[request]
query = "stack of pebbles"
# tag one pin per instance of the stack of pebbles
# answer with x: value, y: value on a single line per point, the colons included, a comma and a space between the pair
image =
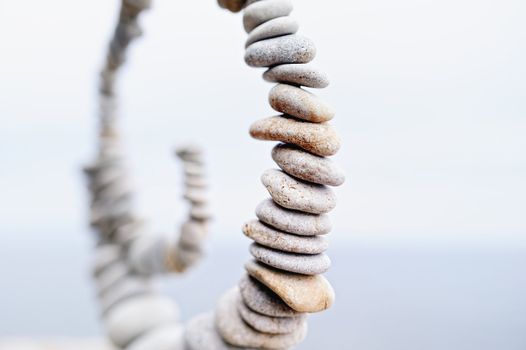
x: 127, y: 259
x: 284, y: 282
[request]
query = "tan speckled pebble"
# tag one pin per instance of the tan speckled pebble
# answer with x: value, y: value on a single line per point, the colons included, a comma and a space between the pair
x: 306, y: 166
x: 262, y: 11
x: 272, y: 238
x: 298, y: 195
x: 302, y: 293
x: 236, y: 332
x: 267, y: 324
x: 261, y: 299
x: 299, y: 103
x: 292, y: 221
x: 320, y: 139
x: 284, y: 49
x: 297, y: 74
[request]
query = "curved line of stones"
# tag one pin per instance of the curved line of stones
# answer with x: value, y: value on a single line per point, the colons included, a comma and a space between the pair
x: 267, y: 310
x: 127, y: 257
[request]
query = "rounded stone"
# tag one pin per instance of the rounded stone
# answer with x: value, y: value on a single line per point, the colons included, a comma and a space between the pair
x: 263, y: 11
x: 297, y: 74
x: 292, y: 221
x: 267, y: 324
x: 301, y: 292
x: 298, y: 195
x: 318, y: 138
x: 261, y: 299
x: 275, y: 27
x: 105, y: 256
x: 111, y: 276
x: 232, y: 5
x: 201, y: 334
x: 297, y: 263
x: 236, y: 332
x: 269, y: 237
x: 169, y: 337
x: 146, y: 254
x: 284, y: 49
x: 196, y: 195
x: 200, y: 212
x: 307, y: 166
x: 135, y: 317
x: 298, y: 103
x: 193, y: 169
x: 193, y: 234
x: 127, y: 288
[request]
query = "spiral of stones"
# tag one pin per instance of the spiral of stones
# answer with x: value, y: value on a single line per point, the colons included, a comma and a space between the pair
x: 284, y: 281
x: 136, y: 315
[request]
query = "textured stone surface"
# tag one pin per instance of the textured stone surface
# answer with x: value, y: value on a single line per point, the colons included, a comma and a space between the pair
x: 272, y: 238
x: 232, y: 5
x: 137, y: 316
x: 263, y: 11
x: 169, y: 337
x: 284, y: 49
x: 201, y: 334
x: 292, y: 221
x: 297, y: 263
x: 298, y: 195
x: 306, y: 166
x: 235, y: 331
x: 273, y: 28
x: 299, y: 103
x: 320, y: 139
x: 267, y: 324
x: 302, y: 293
x: 261, y: 299
x: 297, y: 74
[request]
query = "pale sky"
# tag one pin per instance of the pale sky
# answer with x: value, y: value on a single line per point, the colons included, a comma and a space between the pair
x: 430, y: 98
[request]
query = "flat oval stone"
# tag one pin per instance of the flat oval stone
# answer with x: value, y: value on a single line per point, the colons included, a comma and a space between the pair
x: 297, y: 263
x: 200, y: 212
x: 297, y: 74
x: 269, y: 237
x: 284, y: 49
x: 298, y: 195
x: 196, y: 195
x: 267, y: 324
x: 320, y: 138
x: 127, y: 321
x: 105, y: 255
x: 169, y: 337
x: 110, y: 276
x: 127, y: 288
x: 292, y: 221
x: 193, y: 234
x: 302, y: 293
x: 307, y: 166
x: 262, y: 300
x: 232, y: 5
x: 275, y: 27
x: 201, y: 334
x: 263, y: 11
x: 236, y: 332
x: 299, y: 103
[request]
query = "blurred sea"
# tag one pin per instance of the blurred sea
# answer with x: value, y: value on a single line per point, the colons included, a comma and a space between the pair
x: 389, y: 297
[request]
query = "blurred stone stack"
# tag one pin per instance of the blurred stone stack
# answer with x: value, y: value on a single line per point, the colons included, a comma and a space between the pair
x: 128, y: 258
x: 284, y: 282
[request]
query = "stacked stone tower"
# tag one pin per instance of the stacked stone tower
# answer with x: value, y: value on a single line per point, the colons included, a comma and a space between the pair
x: 284, y: 282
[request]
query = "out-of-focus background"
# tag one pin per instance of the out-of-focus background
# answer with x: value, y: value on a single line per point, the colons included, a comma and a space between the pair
x: 429, y: 246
